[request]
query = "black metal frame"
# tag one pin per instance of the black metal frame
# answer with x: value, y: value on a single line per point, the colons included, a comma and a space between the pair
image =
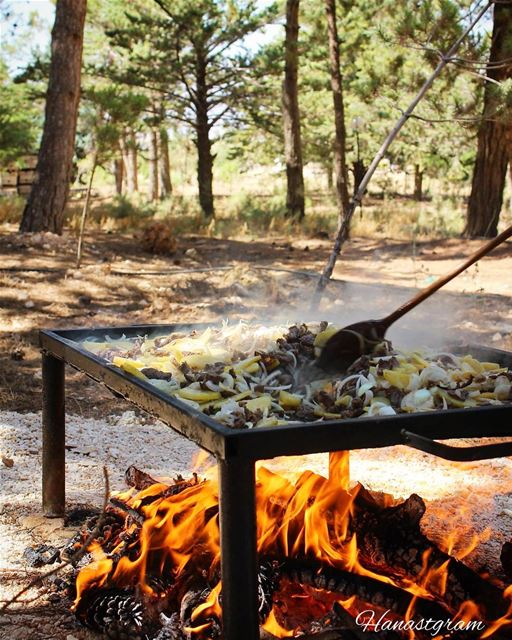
x: 238, y: 450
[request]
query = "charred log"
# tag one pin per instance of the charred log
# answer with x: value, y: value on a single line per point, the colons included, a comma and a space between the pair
x: 268, y: 582
x: 404, y: 552
x: 364, y: 588
x: 171, y: 628
x: 111, y: 528
x: 138, y: 479
x: 134, y: 514
x: 506, y: 558
x: 41, y: 555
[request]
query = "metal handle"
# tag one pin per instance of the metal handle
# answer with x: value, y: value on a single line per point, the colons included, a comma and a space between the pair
x: 457, y: 454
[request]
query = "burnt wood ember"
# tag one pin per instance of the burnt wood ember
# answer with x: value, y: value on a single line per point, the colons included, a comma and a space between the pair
x: 364, y: 588
x: 41, y: 555
x: 390, y: 542
x: 506, y: 558
x: 138, y: 479
x: 111, y: 528
x: 339, y: 624
x: 131, y: 512
x: 268, y: 582
x: 172, y: 628
x: 141, y: 480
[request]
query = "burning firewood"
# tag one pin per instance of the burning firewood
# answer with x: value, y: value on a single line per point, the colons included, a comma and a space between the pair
x: 158, y: 576
x: 410, y: 552
x: 506, y: 559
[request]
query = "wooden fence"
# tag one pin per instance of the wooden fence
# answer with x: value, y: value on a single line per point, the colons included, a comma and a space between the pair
x: 18, y: 179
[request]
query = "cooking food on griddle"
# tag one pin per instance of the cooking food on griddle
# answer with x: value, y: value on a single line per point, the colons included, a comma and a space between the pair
x: 249, y: 376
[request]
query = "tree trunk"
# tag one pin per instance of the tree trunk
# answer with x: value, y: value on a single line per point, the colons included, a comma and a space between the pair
x: 132, y: 154
x: 128, y: 145
x: 418, y: 183
x: 329, y: 176
x: 359, y: 170
x: 203, y: 142
x: 153, y: 166
x: 291, y: 116
x: 44, y: 210
x: 489, y: 173
x: 164, y: 167
x: 119, y: 175
x: 340, y: 163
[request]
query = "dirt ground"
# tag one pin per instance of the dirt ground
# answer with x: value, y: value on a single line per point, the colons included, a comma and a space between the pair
x: 206, y: 279
x: 209, y: 279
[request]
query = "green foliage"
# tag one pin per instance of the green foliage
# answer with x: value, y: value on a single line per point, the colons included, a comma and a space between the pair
x: 160, y: 46
x: 152, y: 63
x: 19, y: 120
x: 11, y: 208
x: 385, y: 59
x: 107, y: 110
x: 122, y: 207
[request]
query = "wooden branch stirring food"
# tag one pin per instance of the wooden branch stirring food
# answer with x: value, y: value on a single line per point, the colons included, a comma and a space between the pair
x: 346, y: 345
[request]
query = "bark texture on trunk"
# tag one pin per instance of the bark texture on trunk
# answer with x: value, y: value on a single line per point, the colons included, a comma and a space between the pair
x: 418, y: 183
x: 291, y: 116
x: 153, y: 166
x: 359, y: 169
x: 128, y: 145
x: 164, y: 166
x: 203, y: 142
x: 44, y: 210
x: 340, y: 163
x: 329, y: 176
x: 490, y: 171
x: 119, y: 175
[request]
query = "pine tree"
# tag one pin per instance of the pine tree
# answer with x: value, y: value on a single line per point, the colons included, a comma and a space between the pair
x: 494, y: 134
x: 44, y: 210
x: 192, y: 55
x: 291, y: 116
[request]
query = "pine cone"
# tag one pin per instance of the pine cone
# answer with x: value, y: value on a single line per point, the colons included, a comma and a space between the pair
x: 116, y: 613
x: 160, y: 584
x: 171, y: 629
x: 268, y: 581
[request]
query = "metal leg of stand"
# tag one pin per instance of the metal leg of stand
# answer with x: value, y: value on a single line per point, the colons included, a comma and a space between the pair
x: 238, y: 550
x: 54, y: 470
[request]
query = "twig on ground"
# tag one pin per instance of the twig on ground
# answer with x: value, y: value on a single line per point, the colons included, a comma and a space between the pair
x: 74, y: 558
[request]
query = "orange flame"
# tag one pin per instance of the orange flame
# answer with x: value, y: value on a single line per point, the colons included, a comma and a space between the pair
x: 308, y: 518
x: 272, y: 626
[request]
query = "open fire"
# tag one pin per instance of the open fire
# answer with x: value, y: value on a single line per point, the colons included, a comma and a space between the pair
x: 332, y: 558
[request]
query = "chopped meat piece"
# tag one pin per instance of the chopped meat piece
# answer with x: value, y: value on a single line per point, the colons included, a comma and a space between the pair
x: 156, y: 374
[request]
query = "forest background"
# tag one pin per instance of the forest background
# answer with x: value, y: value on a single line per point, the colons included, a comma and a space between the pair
x: 183, y: 115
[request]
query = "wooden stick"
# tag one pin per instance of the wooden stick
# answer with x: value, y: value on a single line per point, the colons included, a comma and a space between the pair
x: 85, y: 211
x: 440, y: 282
x: 344, y: 223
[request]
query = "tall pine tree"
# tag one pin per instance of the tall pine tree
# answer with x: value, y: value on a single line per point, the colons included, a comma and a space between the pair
x: 44, y: 210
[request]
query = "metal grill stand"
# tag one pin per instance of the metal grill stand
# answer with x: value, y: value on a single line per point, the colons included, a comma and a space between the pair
x: 236, y: 451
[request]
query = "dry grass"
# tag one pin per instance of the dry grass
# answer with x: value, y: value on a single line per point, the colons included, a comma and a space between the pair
x: 243, y: 212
